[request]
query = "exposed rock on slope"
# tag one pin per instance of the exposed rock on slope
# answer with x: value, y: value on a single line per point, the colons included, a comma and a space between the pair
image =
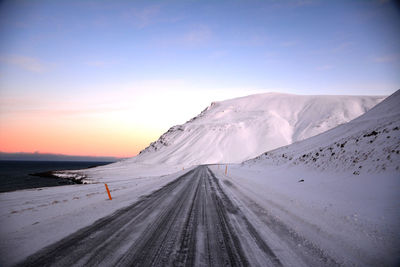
x: 242, y: 128
x: 369, y: 143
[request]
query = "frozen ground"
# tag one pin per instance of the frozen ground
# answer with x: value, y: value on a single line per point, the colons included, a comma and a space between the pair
x: 262, y: 215
x: 34, y: 218
x: 352, y: 218
x: 248, y: 217
x: 308, y: 203
x: 191, y: 221
x: 343, y: 183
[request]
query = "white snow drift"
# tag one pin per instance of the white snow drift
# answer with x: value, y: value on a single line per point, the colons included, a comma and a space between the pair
x: 369, y: 143
x: 235, y: 130
x: 338, y: 191
x: 242, y: 128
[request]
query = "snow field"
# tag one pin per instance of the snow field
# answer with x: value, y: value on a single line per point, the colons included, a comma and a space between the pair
x: 367, y: 144
x: 34, y: 218
x: 353, y: 219
x: 239, y: 129
x: 340, y: 212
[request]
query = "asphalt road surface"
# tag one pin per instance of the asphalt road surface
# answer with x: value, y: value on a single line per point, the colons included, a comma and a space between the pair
x: 191, y: 221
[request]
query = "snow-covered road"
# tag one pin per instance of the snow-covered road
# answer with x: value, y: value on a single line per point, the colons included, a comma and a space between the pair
x: 190, y: 221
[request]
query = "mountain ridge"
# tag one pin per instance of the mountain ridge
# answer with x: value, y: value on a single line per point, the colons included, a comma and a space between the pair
x: 242, y: 128
x: 368, y: 143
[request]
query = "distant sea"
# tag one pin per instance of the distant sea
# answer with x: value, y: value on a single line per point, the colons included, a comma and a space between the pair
x: 14, y: 175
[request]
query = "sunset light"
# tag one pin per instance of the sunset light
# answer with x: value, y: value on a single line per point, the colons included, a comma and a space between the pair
x: 199, y: 133
x: 109, y: 77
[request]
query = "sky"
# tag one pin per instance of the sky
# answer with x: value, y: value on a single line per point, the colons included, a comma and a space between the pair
x: 106, y: 78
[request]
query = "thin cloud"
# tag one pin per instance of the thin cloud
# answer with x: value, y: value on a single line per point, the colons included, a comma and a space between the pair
x: 100, y: 63
x: 324, y: 67
x: 299, y: 3
x: 294, y: 3
x: 251, y: 41
x: 144, y: 17
x: 96, y: 63
x: 218, y: 54
x: 342, y: 46
x: 289, y: 43
x: 27, y: 63
x: 338, y: 48
x: 387, y: 58
x: 51, y: 106
x: 199, y: 35
x: 67, y: 111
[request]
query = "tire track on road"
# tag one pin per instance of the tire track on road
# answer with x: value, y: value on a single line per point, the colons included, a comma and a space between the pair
x: 96, y: 242
x: 189, y: 222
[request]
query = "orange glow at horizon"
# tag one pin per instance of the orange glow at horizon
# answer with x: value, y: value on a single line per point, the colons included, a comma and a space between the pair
x: 111, y: 122
x: 69, y: 136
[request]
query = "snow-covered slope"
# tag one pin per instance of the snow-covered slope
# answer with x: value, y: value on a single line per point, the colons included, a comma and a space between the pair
x: 338, y: 190
x: 369, y: 143
x: 242, y: 128
x: 352, y: 218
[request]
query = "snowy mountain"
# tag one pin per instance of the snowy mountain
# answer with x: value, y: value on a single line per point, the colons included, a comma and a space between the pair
x: 239, y: 129
x: 369, y: 143
x: 301, y: 212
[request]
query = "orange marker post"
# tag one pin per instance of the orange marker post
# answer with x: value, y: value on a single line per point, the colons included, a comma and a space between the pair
x: 108, y: 192
x: 226, y: 169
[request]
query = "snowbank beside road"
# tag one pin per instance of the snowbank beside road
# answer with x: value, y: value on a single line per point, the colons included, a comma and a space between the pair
x: 353, y: 219
x: 34, y: 218
x: 339, y: 189
x: 367, y: 144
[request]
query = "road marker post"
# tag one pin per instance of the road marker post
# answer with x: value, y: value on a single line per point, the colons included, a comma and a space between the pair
x: 108, y: 192
x: 226, y: 169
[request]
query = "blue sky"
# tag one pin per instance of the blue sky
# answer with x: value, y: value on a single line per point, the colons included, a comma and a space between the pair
x: 172, y: 58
